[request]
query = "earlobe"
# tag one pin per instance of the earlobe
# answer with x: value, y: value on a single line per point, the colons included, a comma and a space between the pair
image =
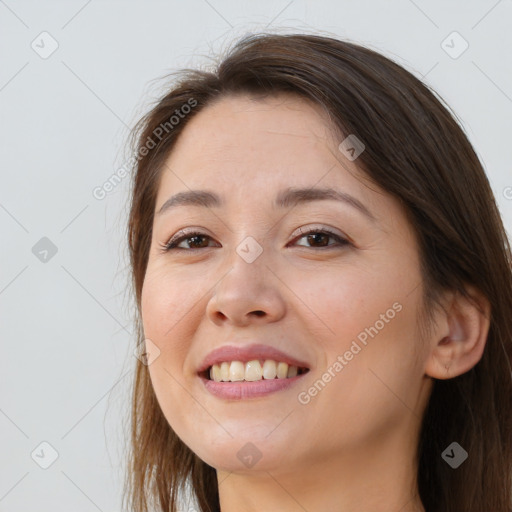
x: 459, y: 341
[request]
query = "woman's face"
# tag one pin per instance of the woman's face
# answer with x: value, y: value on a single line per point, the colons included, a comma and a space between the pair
x: 346, y: 310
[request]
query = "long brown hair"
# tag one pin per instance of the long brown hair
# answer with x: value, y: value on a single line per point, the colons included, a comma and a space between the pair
x: 417, y: 152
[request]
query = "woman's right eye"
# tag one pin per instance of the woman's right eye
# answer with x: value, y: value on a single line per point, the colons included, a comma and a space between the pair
x: 174, y: 243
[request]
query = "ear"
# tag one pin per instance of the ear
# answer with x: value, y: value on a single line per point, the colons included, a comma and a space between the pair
x: 460, y: 336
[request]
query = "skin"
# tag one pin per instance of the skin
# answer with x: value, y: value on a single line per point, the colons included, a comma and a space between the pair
x: 351, y: 447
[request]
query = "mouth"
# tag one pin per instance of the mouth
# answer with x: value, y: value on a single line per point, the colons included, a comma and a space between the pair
x: 235, y: 372
x: 255, y: 379
x: 251, y: 371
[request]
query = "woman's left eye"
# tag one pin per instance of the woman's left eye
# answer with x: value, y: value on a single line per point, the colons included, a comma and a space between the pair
x: 320, y: 236
x: 313, y: 236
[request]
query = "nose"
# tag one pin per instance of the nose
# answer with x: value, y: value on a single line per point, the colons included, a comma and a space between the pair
x: 248, y: 293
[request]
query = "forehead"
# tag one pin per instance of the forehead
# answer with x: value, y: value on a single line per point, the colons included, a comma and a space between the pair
x: 273, y: 121
x: 259, y: 143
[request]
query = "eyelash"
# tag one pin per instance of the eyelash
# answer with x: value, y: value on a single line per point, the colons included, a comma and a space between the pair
x: 172, y: 244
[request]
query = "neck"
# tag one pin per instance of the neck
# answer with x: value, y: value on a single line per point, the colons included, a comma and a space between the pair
x: 377, y: 477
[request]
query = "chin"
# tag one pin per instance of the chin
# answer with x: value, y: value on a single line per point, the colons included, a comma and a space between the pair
x: 242, y: 455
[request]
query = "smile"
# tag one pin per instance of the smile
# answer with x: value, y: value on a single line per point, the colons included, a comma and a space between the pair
x: 235, y: 380
x: 251, y: 371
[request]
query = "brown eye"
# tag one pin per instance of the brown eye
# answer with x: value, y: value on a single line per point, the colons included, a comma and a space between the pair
x: 195, y: 240
x: 320, y: 239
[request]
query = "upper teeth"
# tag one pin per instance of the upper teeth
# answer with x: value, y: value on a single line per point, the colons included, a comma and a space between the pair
x: 251, y: 371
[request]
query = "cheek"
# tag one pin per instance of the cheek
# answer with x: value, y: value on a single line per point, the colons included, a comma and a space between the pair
x: 374, y: 323
x: 166, y: 300
x: 166, y: 309
x: 372, y: 360
x: 342, y: 305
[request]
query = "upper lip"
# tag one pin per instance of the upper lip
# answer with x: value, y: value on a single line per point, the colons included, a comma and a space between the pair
x: 248, y: 353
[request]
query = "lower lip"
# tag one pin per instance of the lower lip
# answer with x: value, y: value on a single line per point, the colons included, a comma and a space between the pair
x: 241, y: 390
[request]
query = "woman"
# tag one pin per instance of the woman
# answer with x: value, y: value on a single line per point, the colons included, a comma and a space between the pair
x: 324, y: 291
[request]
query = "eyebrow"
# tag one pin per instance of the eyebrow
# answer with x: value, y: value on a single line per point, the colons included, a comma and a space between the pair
x: 286, y: 198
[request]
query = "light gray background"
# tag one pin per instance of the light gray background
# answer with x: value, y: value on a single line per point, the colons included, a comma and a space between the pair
x: 66, y: 353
